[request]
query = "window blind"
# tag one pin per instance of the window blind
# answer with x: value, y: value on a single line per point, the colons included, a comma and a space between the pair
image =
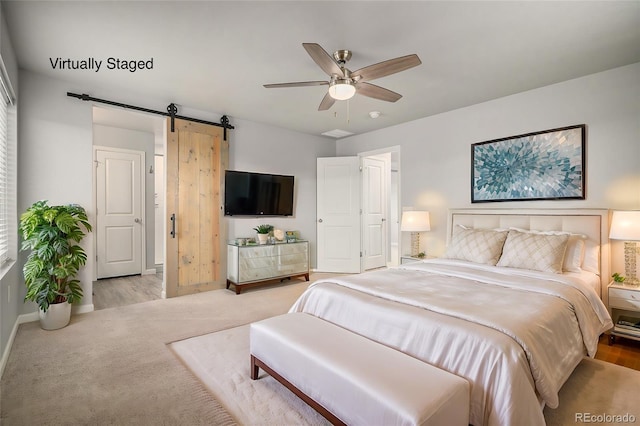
x: 4, y: 173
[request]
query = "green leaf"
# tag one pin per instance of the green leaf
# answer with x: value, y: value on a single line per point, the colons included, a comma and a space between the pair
x: 50, y: 232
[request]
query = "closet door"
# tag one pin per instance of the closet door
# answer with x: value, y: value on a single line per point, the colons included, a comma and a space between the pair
x: 197, y: 156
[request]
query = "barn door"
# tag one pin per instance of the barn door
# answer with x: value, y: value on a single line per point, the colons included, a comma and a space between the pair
x: 196, y: 159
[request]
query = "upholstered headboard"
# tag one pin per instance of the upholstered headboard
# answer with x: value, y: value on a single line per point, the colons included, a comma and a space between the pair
x: 594, y: 223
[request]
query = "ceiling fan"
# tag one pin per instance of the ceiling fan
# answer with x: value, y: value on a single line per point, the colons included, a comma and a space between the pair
x: 344, y: 84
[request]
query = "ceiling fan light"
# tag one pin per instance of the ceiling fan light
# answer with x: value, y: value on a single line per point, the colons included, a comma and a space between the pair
x: 341, y: 90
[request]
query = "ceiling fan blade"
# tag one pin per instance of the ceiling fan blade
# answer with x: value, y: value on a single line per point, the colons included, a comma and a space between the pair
x: 323, y: 59
x: 385, y: 68
x: 327, y: 102
x: 297, y: 84
x: 377, y: 92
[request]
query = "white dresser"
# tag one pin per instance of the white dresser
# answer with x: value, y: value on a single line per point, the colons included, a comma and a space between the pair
x: 255, y: 264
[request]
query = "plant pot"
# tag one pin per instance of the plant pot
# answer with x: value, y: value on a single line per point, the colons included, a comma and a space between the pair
x: 57, y: 316
x: 262, y: 238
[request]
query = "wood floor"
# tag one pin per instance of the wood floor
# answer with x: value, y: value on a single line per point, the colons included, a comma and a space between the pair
x: 625, y: 352
x: 122, y: 291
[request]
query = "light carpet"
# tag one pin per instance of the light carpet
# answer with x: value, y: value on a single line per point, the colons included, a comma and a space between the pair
x: 113, y: 366
x: 221, y: 361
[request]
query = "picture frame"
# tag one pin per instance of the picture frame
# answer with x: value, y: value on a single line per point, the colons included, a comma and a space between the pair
x: 291, y: 236
x: 544, y: 165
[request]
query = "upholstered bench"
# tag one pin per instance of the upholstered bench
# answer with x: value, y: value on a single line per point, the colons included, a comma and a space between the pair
x: 352, y: 380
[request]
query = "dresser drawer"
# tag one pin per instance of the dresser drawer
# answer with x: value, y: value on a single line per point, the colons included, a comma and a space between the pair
x: 293, y: 248
x: 255, y: 252
x: 258, y: 273
x: 630, y: 305
x: 624, y: 294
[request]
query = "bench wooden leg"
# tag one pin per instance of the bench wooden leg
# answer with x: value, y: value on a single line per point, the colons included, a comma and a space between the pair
x: 256, y: 363
x: 254, y: 368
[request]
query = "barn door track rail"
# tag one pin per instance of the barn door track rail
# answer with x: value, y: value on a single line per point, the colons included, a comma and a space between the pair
x: 172, y: 112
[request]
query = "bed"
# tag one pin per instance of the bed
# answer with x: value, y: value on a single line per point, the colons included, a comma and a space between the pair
x: 512, y: 306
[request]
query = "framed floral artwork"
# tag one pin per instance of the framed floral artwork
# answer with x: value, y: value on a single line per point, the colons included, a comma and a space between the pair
x: 546, y: 165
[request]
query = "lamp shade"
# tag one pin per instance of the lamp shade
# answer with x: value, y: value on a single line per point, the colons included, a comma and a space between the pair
x: 625, y: 225
x: 415, y: 221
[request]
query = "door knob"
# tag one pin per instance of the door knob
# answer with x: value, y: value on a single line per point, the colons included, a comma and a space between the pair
x: 320, y: 220
x: 136, y: 220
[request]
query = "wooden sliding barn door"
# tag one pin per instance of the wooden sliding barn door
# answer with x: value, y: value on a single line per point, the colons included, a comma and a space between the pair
x: 196, y: 159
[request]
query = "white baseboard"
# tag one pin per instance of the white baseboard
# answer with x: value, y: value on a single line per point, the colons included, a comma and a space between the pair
x: 33, y: 316
x: 82, y: 309
x: 150, y: 272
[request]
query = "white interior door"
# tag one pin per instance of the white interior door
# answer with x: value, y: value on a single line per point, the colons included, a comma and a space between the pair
x: 119, y: 194
x: 375, y: 172
x: 338, y: 214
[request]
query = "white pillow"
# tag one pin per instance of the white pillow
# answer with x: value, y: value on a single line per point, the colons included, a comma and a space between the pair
x: 476, y: 245
x: 538, y: 252
x: 591, y: 261
x: 574, y: 254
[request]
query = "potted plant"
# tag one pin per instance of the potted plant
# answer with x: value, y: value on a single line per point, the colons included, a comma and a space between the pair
x: 263, y: 232
x: 52, y: 234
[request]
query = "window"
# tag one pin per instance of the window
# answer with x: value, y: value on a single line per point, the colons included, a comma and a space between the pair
x: 4, y: 166
x: 7, y: 189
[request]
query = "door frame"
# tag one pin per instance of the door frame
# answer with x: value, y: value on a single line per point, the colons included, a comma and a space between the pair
x: 143, y: 213
x: 395, y: 152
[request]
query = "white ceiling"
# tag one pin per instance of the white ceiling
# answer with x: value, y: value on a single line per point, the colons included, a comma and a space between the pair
x: 216, y: 55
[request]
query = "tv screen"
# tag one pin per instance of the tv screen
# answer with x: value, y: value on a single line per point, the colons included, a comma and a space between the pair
x: 257, y: 194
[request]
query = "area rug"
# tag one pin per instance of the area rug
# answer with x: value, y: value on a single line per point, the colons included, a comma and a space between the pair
x: 597, y: 392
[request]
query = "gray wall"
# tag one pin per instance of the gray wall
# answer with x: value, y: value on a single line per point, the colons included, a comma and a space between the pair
x: 435, y: 157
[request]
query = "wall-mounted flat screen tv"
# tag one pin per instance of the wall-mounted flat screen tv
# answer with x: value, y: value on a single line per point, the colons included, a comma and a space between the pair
x: 257, y: 194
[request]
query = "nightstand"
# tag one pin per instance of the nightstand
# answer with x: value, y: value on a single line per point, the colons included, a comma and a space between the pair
x: 624, y: 307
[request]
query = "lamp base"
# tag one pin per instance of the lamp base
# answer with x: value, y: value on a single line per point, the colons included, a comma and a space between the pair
x: 631, y: 253
x: 415, y: 244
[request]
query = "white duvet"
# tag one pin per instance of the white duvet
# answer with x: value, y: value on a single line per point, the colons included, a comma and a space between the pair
x: 515, y: 335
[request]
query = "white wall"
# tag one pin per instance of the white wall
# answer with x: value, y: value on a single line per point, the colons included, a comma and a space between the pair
x: 259, y: 148
x: 55, y: 149
x: 140, y: 141
x: 435, y: 152
x: 55, y: 156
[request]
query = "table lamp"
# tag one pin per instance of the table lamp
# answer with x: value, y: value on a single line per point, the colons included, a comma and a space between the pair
x: 625, y: 225
x: 415, y: 221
